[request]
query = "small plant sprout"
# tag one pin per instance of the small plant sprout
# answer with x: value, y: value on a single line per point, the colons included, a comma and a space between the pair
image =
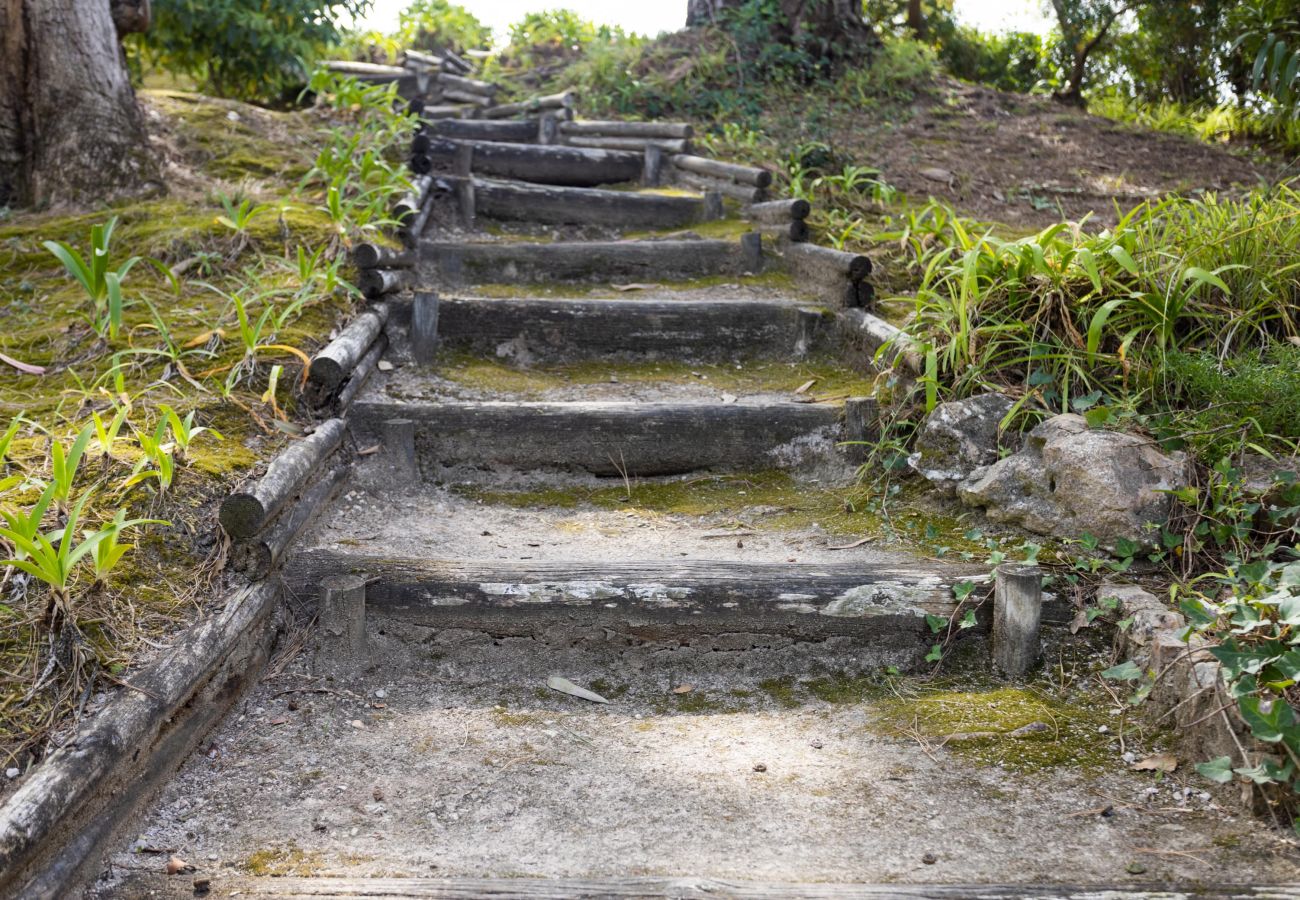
x: 39, y: 556
x: 272, y: 385
x: 238, y: 216
x: 156, y: 460
x: 64, y: 463
x: 103, y: 285
x: 26, y: 525
x: 7, y: 439
x: 184, y: 431
x: 109, y: 551
x: 106, y: 434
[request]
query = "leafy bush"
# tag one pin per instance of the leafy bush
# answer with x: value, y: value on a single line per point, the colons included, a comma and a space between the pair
x: 439, y: 25
x: 1016, y: 61
x: 1255, y: 394
x: 249, y: 49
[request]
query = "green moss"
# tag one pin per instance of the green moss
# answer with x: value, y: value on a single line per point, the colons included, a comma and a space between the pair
x: 781, y: 690
x: 785, y: 503
x: 841, y: 688
x: 980, y: 724
x: 279, y: 862
x: 831, y: 380
x: 717, y: 229
x: 774, y: 280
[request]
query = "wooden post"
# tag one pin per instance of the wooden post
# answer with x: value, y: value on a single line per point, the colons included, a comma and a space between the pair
x: 548, y: 129
x: 399, y: 447
x: 653, y: 166
x: 713, y: 206
x: 861, y: 427
x: 751, y: 250
x: 465, y: 186
x: 811, y: 322
x: 342, y: 622
x: 1017, y: 613
x: 424, y: 327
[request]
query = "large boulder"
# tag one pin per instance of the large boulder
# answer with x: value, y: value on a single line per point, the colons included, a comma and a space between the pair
x: 1071, y: 480
x: 957, y: 438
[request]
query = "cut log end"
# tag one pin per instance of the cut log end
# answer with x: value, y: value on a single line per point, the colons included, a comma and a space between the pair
x: 242, y: 515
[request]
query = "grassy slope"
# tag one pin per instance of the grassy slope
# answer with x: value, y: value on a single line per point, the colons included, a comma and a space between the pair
x: 211, y: 147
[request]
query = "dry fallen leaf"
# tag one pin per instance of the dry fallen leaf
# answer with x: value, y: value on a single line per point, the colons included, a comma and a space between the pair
x: 278, y: 720
x: 176, y: 866
x: 806, y: 386
x: 565, y: 686
x: 1160, y: 762
x: 631, y: 287
x: 28, y: 368
x: 385, y: 366
x: 372, y: 449
x: 858, y: 543
x: 683, y: 689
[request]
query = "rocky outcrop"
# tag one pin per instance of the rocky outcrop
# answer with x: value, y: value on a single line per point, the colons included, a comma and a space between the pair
x: 957, y: 438
x: 1071, y: 480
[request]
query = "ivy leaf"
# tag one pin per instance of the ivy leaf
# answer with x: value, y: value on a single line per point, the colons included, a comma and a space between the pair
x: 936, y: 623
x: 1086, y: 402
x: 1127, y: 671
x: 1291, y: 575
x: 1288, y: 611
x: 968, y: 620
x: 963, y: 590
x: 1268, y: 720
x: 1217, y: 770
x: 1240, y: 662
x: 935, y: 654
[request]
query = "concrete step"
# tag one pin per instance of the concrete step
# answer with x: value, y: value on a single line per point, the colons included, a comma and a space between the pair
x: 522, y: 262
x: 547, y: 329
x: 610, y: 438
x: 517, y: 201
x: 651, y: 600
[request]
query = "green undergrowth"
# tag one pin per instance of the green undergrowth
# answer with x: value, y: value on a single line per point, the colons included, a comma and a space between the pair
x: 830, y: 379
x: 216, y: 295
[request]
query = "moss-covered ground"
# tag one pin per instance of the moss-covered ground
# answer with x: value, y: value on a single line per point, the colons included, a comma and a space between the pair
x: 180, y: 343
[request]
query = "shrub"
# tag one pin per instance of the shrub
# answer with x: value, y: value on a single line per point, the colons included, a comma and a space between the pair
x: 247, y: 49
x: 1255, y: 394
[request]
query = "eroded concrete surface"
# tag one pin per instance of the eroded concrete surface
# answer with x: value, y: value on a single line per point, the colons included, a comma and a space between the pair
x: 449, y: 756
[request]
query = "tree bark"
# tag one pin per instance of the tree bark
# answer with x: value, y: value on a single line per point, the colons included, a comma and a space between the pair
x: 70, y: 129
x: 916, y: 19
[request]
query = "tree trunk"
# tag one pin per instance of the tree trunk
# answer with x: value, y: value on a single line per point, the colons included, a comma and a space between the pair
x: 916, y: 19
x: 70, y: 130
x: 836, y: 26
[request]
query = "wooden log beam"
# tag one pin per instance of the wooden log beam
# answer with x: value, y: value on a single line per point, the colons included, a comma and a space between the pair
x: 715, y: 168
x: 409, y: 204
x: 361, y: 374
x: 447, y: 111
x: 745, y: 193
x: 520, y: 201
x: 514, y: 263
x: 668, y: 145
x: 424, y: 335
x: 458, y: 96
x: 511, y: 131
x: 365, y: 69
x: 888, y: 601
x: 611, y: 438
x: 341, y: 623
x: 374, y: 256
x: 246, y: 512
x: 376, y: 283
x: 873, y: 332
x: 411, y: 230
x: 560, y: 165
x: 464, y: 85
x: 569, y: 329
x: 1017, y: 616
x: 428, y: 61
x: 563, y: 100
x: 842, y: 275
x: 778, y: 212
x: 861, y: 427
x: 258, y: 557
x: 593, y: 128
x: 794, y: 232
x: 332, y: 365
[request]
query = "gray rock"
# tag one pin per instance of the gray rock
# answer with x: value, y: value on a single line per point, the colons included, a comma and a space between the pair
x: 957, y: 438
x: 1071, y: 480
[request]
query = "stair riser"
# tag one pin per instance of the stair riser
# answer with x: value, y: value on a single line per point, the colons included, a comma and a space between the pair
x: 653, y: 602
x: 581, y: 206
x: 636, y: 440
x: 659, y: 329
x: 599, y: 262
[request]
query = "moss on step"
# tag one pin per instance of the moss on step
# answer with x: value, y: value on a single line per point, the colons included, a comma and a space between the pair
x: 830, y: 378
x: 279, y: 862
x: 774, y: 280
x: 1020, y: 728
x: 762, y: 500
x: 725, y: 229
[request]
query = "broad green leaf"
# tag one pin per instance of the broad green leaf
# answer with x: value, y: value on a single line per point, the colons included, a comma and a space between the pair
x: 1126, y: 671
x: 1217, y: 770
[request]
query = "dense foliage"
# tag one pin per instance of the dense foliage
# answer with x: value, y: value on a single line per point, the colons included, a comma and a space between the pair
x: 247, y: 49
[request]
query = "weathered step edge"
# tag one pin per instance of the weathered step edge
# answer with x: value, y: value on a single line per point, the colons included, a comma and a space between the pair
x: 55, y: 826
x: 656, y: 599
x: 689, y: 888
x: 612, y: 438
x: 519, y: 201
x: 521, y: 262
x: 584, y: 328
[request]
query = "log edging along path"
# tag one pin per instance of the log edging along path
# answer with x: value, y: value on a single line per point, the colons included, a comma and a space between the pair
x: 54, y: 827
